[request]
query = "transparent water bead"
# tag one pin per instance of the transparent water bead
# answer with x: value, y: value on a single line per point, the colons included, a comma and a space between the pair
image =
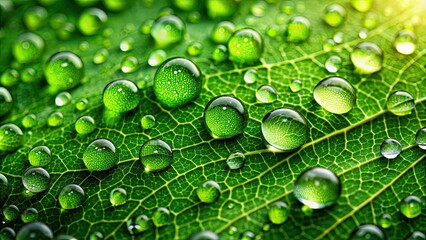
x: 129, y: 64
x: 296, y: 85
x: 245, y: 46
x: 9, y: 78
x: 6, y: 101
x: 71, y: 196
x: 118, y: 197
x: 155, y: 155
x: 236, y: 160
x: 333, y: 64
x: 367, y: 231
x: 367, y: 58
x: 416, y: 235
x: 39, y: 156
x: 55, y: 119
x: 411, y: 206
x: 11, y: 137
x: 162, y: 217
x: 298, y: 29
x: 139, y: 224
x: 194, y: 49
x: 225, y: 117
x: 29, y: 215
x: 317, y: 188
x: 34, y: 230
x: 91, y: 21
x: 64, y: 70
x: 251, y: 76
x: 335, y: 94
x: 11, y: 212
x: 168, y: 30
x: 421, y: 138
x: 35, y: 17
x: 405, y: 42
x: 82, y: 104
x: 101, y: 56
x: 266, y: 94
x: 85, y: 125
x: 62, y: 99
x: 7, y: 233
x: 36, y: 179
x: 385, y: 220
x: 148, y: 122
x: 28, y: 48
x: 127, y: 44
x: 284, y: 129
x: 204, y: 235
x: 220, y: 54
x: 177, y: 82
x: 390, y: 148
x: 222, y: 32
x: 278, y: 212
x: 400, y: 103
x: 157, y: 57
x: 208, y: 192
x: 334, y: 15
x: 121, y: 96
x: 100, y: 155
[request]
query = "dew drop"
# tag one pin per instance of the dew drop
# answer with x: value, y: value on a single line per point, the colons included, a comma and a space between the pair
x: 28, y: 47
x: 85, y: 125
x: 221, y: 9
x: 338, y: 37
x: 9, y: 78
x: 251, y: 76
x: 208, y: 192
x: 362, y: 5
x: 7, y: 233
x: 278, y: 212
x: 118, y: 197
x: 222, y: 32
x: 400, y: 103
x: 82, y: 104
x: 296, y: 85
x: 390, y: 148
x: 168, y: 30
x: 411, y: 206
x: 35, y: 17
x: 101, y: 56
x: 121, y: 96
x: 10, y: 212
x: 162, y: 217
x: 34, y: 230
x: 11, y: 137
x: 36, y: 179
x: 100, y: 155
x: 157, y: 57
x: 127, y: 44
x: 367, y: 58
x: 333, y: 64
x: 194, y: 49
x: 236, y: 160
x: 334, y: 15
x: 148, y: 122
x: 370, y: 21
x: 155, y: 155
x: 385, y: 220
x: 367, y: 231
x: 139, y: 224
x: 71, y: 196
x: 405, y: 42
x: 91, y: 21
x: 55, y: 119
x: 204, y: 235
x: 335, y: 94
x: 64, y: 70
x: 6, y: 101
x: 39, y: 156
x: 298, y: 29
x: 266, y: 94
x: 96, y: 236
x: 29, y: 215
x: 62, y: 99
x: 220, y: 54
x: 421, y: 138
x: 245, y: 46
x: 417, y: 235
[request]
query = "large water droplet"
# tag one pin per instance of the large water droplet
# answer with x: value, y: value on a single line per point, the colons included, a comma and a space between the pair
x: 11, y: 137
x: 405, y: 42
x: 245, y: 46
x: 411, y: 206
x: 400, y: 103
x: 36, y: 179
x: 208, y: 192
x: 155, y: 155
x: 367, y: 58
x: 64, y: 70
x: 28, y: 47
x: 168, y: 30
x: 39, y: 156
x: 35, y: 230
x: 121, y: 96
x: 100, y: 155
x: 85, y: 125
x: 335, y: 94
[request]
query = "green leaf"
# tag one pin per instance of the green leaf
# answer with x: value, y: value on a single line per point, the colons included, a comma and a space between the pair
x: 347, y: 144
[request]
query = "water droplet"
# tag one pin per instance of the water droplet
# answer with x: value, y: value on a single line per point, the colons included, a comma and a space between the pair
x: 57, y: 20
x: 11, y: 212
x: 129, y: 64
x: 71, y: 196
x: 100, y: 155
x: 367, y: 58
x: 405, y: 42
x: 367, y: 231
x: 338, y: 37
x: 208, y: 192
x: 116, y: 5
x: 28, y: 47
x: 225, y: 117
x: 220, y: 53
x: 231, y: 205
x: 85, y: 125
x: 36, y: 179
x: 334, y: 15
x: 148, y: 122
x: 411, y: 206
x: 9, y: 78
x: 4, y: 189
x: 146, y: 26
x: 390, y: 148
x: 278, y: 212
x: 236, y: 160
x: 84, y: 46
x: 6, y: 101
x: 155, y: 155
x: 39, y: 156
x: 222, y: 32
x: 333, y: 64
x: 29, y: 215
x: 232, y: 230
x: 317, y: 188
x: 11, y: 137
x: 335, y: 94
x: 82, y: 104
x: 66, y: 31
x: 363, y: 33
x: 296, y: 85
x: 362, y: 5
x: 273, y: 31
x: 127, y: 44
x: 91, y: 20
x: 417, y: 235
x: 162, y: 217
x: 186, y: 5
x: 204, y: 235
x: 55, y: 119
x: 221, y: 9
x: 284, y: 129
x: 400, y: 103
x: 7, y: 233
x: 259, y: 8
x: 101, y: 56
x: 121, y: 96
x: 298, y: 29
x: 118, y: 197
x: 168, y: 30
x: 247, y: 236
x: 35, y: 17
x: 266, y: 94
x: 64, y: 70
x: 139, y: 224
x: 29, y: 121
x: 251, y: 76
x: 177, y: 81
x: 370, y: 20
x: 157, y: 57
x: 385, y: 220
x: 29, y: 75
x: 245, y: 46
x: 62, y: 99
x: 194, y: 49
x: 287, y: 7
x: 96, y: 236
x: 421, y: 138
x: 34, y: 230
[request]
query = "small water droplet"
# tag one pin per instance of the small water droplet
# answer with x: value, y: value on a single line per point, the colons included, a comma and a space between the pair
x: 236, y: 160
x: 367, y: 58
x: 208, y: 192
x: 71, y: 196
x: 155, y: 155
x: 36, y: 179
x: 118, y: 197
x: 411, y: 206
x: 367, y: 231
x: 333, y: 64
x: 390, y: 148
x: 245, y: 46
x: 266, y: 94
x: 100, y: 155
x: 334, y: 15
x: 400, y: 103
x: 335, y: 94
x: 405, y: 42
x: 298, y: 29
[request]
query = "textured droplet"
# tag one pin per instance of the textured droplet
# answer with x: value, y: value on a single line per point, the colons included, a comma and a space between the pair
x: 296, y: 85
x: 236, y: 160
x: 367, y: 58
x: 421, y: 138
x: 101, y: 56
x: 245, y: 46
x: 251, y: 76
x: 162, y: 217
x: 208, y: 192
x: 400, y: 103
x: 6, y: 101
x: 118, y: 197
x: 64, y: 70
x: 82, y: 104
x: 168, y: 30
x: 225, y: 117
x: 121, y: 96
x: 385, y: 220
x: 157, y: 57
x: 29, y: 215
x: 91, y: 21
x: 333, y: 64
x: 298, y: 29
x: 278, y: 212
x: 36, y: 231
x: 11, y: 137
x: 28, y: 48
x: 62, y: 99
x: 55, y: 119
x: 36, y: 179
x: 367, y: 231
x: 139, y: 224
x: 284, y: 129
x: 11, y: 212
x: 148, y: 122
x: 317, y: 188
x: 334, y: 15
x: 71, y: 196
x: 204, y: 235
x: 194, y: 49
x: 266, y: 94
x: 177, y: 82
x: 222, y: 32
x: 405, y: 42
x: 411, y: 206
x: 390, y: 148
x: 39, y: 156
x: 220, y: 54
x: 155, y: 155
x: 335, y: 94
x: 100, y: 155
x: 85, y: 125
x: 362, y: 5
